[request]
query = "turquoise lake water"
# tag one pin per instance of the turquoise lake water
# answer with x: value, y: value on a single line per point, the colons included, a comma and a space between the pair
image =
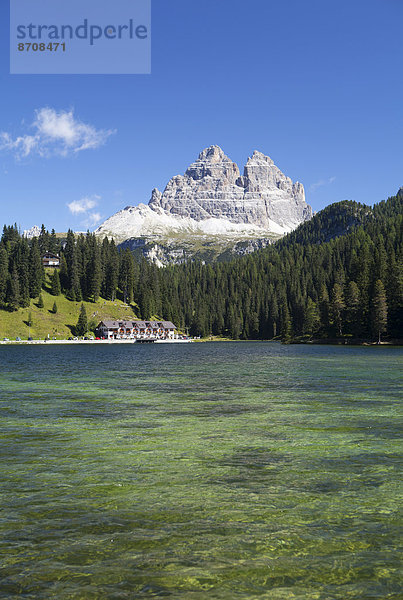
x: 200, y: 471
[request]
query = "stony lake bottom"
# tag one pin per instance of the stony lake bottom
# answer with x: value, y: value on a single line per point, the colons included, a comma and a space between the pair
x: 200, y: 471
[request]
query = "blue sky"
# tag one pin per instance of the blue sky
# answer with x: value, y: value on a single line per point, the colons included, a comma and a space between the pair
x: 316, y: 85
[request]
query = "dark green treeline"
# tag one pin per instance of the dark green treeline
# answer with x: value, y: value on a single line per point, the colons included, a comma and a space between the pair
x: 302, y: 286
x: 88, y: 268
x: 308, y: 284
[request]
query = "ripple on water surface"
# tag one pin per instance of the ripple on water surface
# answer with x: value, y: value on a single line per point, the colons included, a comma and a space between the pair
x: 237, y: 470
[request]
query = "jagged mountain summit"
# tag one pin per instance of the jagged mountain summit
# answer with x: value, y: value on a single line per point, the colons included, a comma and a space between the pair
x: 213, y: 187
x: 31, y: 233
x: 213, y: 200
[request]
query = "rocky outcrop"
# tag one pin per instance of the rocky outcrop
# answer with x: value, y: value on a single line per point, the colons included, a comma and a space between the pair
x: 179, y: 252
x: 213, y: 187
x: 212, y: 203
x: 31, y: 233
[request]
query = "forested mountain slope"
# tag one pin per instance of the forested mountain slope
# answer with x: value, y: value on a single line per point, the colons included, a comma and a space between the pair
x: 350, y: 285
x: 341, y: 287
x: 333, y: 221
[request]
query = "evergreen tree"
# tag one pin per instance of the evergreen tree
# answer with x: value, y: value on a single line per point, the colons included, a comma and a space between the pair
x: 3, y: 274
x: 337, y: 308
x: 126, y: 276
x: 36, y: 273
x: 55, y: 284
x: 63, y: 274
x: 10, y: 236
x: 53, y: 242
x: 394, y: 293
x: 21, y: 257
x: 274, y: 315
x: 324, y: 308
x: 253, y: 325
x: 13, y: 290
x: 73, y: 268
x: 40, y: 303
x: 74, y: 277
x: 379, y: 313
x: 43, y: 240
x: 94, y: 269
x: 352, y: 307
x: 110, y: 258
x: 199, y: 325
x: 286, y: 328
x: 234, y: 323
x: 82, y: 323
x: 363, y: 277
x: 311, y: 318
x: 54, y: 308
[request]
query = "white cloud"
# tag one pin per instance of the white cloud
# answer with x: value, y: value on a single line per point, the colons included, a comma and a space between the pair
x: 84, y: 205
x: 22, y: 146
x: 55, y: 133
x: 84, y: 208
x: 321, y: 183
x: 93, y: 219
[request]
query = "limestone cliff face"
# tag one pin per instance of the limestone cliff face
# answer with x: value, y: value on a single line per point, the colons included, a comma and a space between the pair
x: 213, y: 206
x: 212, y: 187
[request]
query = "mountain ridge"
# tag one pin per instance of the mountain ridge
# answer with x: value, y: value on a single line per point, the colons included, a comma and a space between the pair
x: 213, y: 201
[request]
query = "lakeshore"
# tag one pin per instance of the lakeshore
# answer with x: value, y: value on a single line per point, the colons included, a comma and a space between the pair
x: 93, y: 342
x: 113, y: 341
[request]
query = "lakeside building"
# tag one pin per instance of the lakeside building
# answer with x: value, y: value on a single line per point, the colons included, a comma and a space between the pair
x: 51, y: 260
x: 136, y: 329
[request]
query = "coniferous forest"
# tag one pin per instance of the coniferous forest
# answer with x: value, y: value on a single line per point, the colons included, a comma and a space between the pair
x: 336, y: 276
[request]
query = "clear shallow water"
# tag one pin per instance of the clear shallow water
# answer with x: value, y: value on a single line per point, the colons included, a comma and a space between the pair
x: 203, y: 471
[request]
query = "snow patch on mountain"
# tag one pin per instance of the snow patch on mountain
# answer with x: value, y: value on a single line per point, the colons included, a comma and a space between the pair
x: 142, y: 221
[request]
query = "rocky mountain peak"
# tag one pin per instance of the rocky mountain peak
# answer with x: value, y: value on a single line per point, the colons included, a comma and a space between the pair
x: 213, y: 154
x: 212, y: 162
x: 212, y: 187
x: 33, y: 232
x: 213, y: 198
x: 259, y: 158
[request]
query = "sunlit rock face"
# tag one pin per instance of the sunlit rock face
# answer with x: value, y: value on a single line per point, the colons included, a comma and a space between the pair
x: 212, y: 203
x: 213, y: 187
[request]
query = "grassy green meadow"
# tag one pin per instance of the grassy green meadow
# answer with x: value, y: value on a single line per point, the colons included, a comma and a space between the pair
x: 58, y: 325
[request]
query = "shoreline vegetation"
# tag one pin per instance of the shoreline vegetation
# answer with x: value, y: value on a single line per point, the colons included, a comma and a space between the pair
x: 209, y: 339
x: 345, y: 341
x: 313, y: 342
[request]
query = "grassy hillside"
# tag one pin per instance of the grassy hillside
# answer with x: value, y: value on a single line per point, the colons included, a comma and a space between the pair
x: 58, y: 325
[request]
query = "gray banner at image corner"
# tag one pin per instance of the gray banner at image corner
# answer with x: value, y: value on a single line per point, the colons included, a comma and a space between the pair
x: 80, y: 37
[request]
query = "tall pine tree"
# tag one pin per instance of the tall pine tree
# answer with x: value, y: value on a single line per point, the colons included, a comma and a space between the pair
x: 36, y: 272
x: 379, y: 312
x: 55, y: 283
x: 82, y: 323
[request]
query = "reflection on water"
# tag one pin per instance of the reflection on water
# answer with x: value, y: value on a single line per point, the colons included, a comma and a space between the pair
x: 236, y: 470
